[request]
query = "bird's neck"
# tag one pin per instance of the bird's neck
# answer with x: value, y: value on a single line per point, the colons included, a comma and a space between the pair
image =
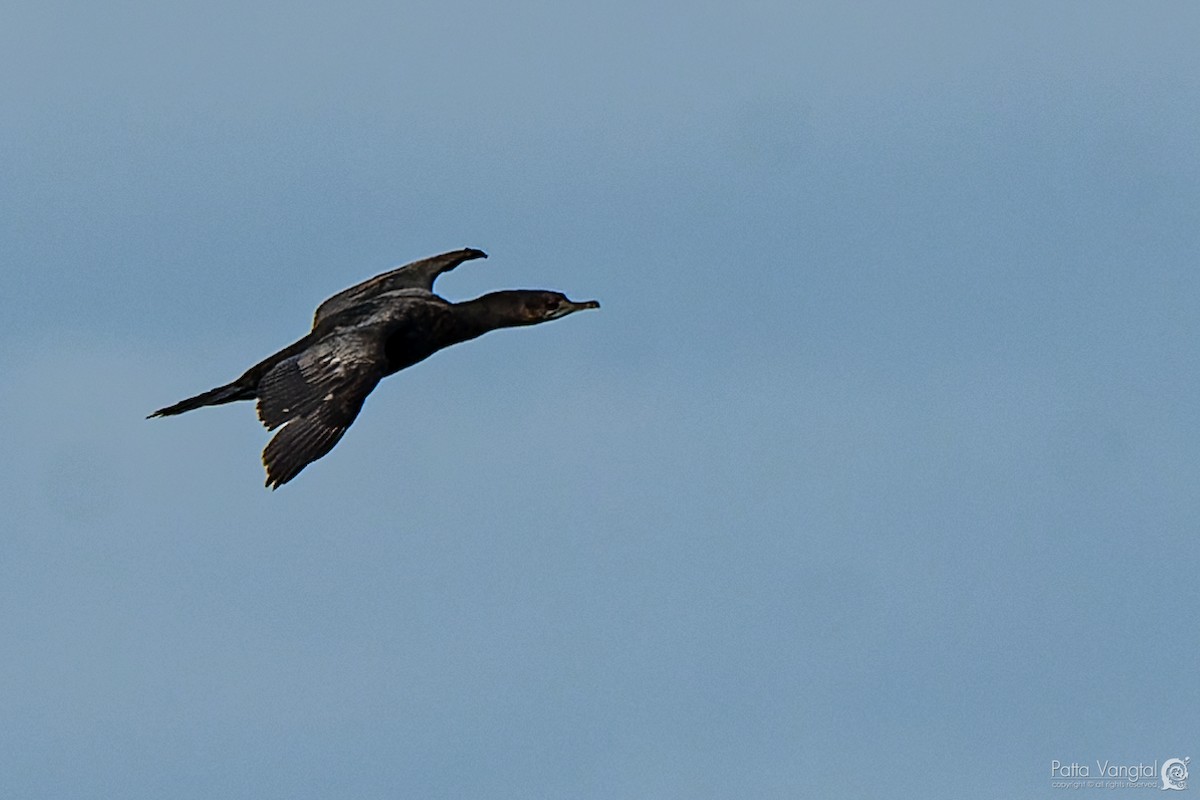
x: 488, y: 313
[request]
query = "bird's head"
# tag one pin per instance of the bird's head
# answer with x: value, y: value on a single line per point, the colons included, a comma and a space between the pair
x: 529, y: 307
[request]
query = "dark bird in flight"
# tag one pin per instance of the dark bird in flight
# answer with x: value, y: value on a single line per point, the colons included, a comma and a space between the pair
x: 313, y: 389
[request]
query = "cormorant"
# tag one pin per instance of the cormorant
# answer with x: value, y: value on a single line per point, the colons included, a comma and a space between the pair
x: 313, y: 389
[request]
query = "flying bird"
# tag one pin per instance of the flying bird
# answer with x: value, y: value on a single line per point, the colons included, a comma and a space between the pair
x: 311, y: 390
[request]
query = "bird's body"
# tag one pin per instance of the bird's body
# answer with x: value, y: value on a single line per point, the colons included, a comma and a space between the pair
x: 314, y: 388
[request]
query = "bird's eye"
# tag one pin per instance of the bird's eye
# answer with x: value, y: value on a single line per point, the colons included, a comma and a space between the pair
x: 551, y: 304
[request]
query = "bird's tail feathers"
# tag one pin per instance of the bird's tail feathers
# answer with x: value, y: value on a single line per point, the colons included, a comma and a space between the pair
x: 213, y: 397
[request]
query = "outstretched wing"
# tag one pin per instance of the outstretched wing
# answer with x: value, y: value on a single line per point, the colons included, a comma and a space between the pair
x: 417, y: 275
x: 313, y: 397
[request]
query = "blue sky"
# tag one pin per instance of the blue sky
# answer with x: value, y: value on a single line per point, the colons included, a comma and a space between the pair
x: 875, y: 475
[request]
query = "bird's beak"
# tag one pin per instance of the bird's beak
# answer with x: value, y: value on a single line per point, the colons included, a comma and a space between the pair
x: 570, y: 307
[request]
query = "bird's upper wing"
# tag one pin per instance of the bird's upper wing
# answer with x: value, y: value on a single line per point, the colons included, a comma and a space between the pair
x: 417, y: 275
x: 313, y: 397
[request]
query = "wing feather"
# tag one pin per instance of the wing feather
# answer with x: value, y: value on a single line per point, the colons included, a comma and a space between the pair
x: 298, y: 444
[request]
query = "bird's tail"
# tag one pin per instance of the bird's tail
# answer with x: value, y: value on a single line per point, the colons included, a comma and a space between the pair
x: 213, y: 397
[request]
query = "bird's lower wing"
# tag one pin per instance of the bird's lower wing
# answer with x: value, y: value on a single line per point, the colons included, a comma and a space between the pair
x: 313, y: 397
